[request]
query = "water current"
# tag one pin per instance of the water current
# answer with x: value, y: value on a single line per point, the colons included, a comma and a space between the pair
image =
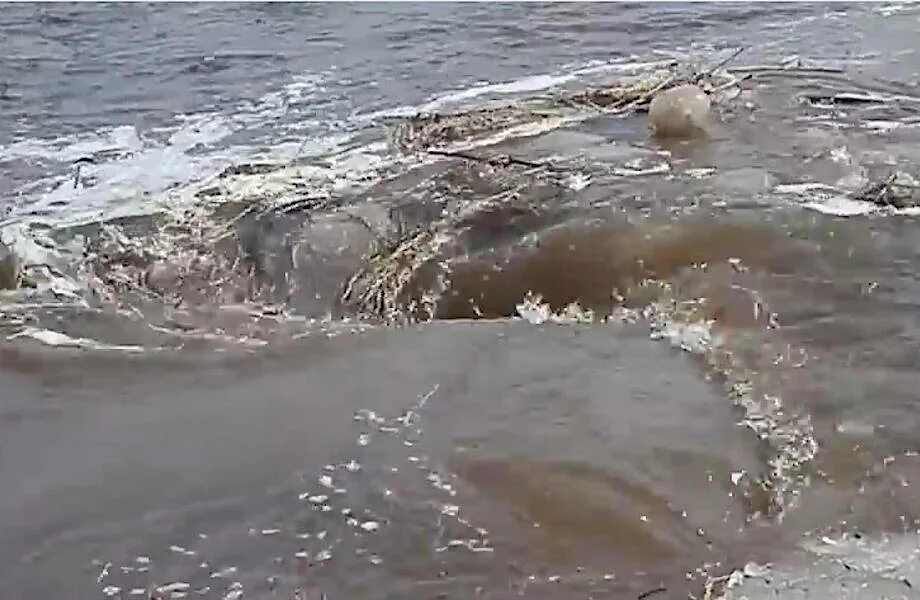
x: 266, y: 332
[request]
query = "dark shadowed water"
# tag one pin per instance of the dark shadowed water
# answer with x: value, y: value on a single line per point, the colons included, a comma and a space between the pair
x: 651, y: 364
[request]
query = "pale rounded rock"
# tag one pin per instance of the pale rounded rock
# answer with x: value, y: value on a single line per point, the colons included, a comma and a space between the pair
x: 680, y: 112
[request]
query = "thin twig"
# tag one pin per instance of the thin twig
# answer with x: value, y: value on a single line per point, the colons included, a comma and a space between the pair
x: 847, y: 98
x: 762, y: 69
x: 884, y: 188
x: 499, y: 161
x: 721, y: 64
x: 644, y: 98
x: 651, y: 592
x: 732, y: 83
x: 860, y: 98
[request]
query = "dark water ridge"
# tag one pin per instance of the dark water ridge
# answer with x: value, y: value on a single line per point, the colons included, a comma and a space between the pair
x: 639, y: 370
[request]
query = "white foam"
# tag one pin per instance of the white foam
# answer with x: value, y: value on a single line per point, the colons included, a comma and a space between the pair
x: 883, y: 126
x: 142, y: 166
x: 533, y: 310
x: 894, y: 8
x: 577, y: 181
x: 529, y: 84
x: 802, y: 189
x: 534, y: 83
x: 121, y: 188
x: 200, y: 130
x: 56, y: 338
x: 827, y: 200
x: 69, y: 149
x: 842, y: 207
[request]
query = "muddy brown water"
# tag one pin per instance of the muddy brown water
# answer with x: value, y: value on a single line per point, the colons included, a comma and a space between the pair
x: 599, y: 390
x: 229, y: 448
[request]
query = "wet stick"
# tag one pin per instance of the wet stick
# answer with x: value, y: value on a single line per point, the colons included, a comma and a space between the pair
x: 499, y: 161
x: 719, y: 65
x: 651, y: 592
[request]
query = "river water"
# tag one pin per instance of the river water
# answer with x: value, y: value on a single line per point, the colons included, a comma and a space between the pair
x: 644, y: 367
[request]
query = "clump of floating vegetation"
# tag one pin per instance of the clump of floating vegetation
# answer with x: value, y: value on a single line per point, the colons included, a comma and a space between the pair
x: 631, y: 92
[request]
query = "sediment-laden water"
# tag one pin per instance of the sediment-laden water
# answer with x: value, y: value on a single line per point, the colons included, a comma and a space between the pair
x: 386, y: 301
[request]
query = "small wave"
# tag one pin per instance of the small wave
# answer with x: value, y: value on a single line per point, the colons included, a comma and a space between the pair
x: 584, y: 275
x: 790, y: 436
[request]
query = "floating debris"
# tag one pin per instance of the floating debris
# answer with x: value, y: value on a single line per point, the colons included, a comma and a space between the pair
x: 578, y: 181
x: 899, y: 190
x: 370, y: 526
x: 233, y: 595
x: 178, y: 586
x: 855, y: 428
x: 323, y: 555
x: 226, y: 572
x: 498, y: 120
